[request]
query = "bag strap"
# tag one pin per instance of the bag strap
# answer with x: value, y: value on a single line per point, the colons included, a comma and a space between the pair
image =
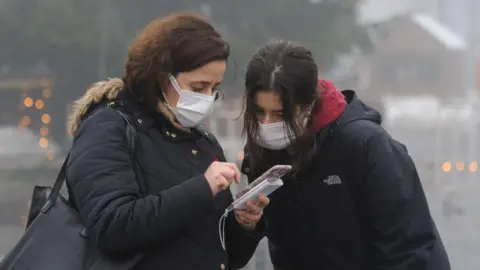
x: 131, y: 135
x: 52, y: 197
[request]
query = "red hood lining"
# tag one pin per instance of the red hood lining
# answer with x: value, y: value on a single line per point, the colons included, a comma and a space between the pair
x: 332, y: 104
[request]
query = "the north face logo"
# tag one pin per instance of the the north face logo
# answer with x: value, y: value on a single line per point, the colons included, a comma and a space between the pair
x: 333, y: 180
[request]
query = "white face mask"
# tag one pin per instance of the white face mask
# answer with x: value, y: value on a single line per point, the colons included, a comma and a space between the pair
x: 273, y: 136
x: 192, y: 108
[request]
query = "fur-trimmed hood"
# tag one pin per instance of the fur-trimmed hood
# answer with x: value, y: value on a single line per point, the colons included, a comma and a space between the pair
x: 105, y: 90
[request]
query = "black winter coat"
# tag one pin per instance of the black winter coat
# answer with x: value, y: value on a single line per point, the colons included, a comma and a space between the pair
x: 175, y: 222
x: 356, y: 203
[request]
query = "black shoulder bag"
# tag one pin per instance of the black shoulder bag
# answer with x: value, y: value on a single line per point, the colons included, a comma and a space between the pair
x: 55, y: 238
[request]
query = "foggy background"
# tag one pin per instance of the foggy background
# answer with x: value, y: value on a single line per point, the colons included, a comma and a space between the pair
x: 416, y: 61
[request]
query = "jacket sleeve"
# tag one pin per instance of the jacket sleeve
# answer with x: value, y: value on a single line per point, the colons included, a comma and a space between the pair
x: 400, y: 226
x: 102, y: 181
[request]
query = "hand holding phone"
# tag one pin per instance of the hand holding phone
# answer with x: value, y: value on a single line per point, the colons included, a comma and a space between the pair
x: 266, y: 184
x: 249, y: 217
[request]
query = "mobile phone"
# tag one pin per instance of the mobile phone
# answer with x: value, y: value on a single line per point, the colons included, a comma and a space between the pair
x: 266, y: 187
x: 275, y: 172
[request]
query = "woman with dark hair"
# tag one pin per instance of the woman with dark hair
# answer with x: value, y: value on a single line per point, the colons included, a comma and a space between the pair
x: 162, y: 196
x: 354, y: 199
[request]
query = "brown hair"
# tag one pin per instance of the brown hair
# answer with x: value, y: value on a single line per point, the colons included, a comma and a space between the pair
x: 180, y: 42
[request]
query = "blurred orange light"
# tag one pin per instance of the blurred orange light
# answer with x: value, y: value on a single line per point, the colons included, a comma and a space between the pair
x: 47, y: 92
x: 44, y: 131
x: 473, y: 166
x: 39, y: 104
x: 46, y: 118
x: 28, y: 102
x: 43, y: 142
x: 460, y: 166
x: 447, y: 166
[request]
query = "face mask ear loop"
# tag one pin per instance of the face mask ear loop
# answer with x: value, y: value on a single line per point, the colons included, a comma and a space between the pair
x: 175, y: 84
x: 166, y: 100
x: 221, y: 226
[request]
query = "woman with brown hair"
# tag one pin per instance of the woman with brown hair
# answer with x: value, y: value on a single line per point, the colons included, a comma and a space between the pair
x: 164, y: 197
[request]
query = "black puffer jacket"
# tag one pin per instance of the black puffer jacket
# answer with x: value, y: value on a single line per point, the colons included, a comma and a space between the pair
x: 175, y: 222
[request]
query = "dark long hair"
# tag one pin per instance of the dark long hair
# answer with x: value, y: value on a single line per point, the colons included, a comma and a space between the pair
x: 289, y: 70
x: 180, y: 42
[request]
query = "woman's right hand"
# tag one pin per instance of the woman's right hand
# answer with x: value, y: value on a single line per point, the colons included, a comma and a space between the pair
x: 220, y: 175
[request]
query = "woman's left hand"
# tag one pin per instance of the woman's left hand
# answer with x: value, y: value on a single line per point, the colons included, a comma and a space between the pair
x: 249, y: 217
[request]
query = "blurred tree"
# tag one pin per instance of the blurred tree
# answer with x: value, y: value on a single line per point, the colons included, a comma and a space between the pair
x: 328, y: 28
x: 80, y: 41
x: 54, y: 32
x: 61, y: 35
x: 66, y: 35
